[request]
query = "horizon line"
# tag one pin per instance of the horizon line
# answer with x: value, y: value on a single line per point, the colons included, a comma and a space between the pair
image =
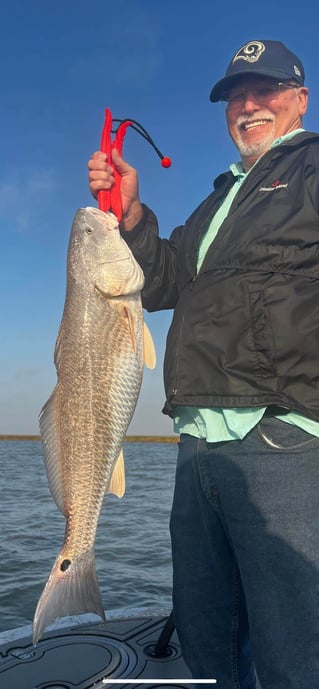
x: 128, y: 438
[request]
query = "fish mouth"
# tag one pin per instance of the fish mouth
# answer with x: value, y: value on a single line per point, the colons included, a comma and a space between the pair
x: 107, y: 219
x: 93, y: 210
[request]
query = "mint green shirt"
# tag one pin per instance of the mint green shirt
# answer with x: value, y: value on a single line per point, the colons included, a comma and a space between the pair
x: 218, y: 425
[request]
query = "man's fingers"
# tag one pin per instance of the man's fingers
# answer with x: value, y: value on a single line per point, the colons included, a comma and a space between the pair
x: 103, y: 175
x: 98, y: 164
x: 99, y: 154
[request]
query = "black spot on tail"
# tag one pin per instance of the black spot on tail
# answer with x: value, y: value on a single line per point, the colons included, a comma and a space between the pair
x: 65, y: 565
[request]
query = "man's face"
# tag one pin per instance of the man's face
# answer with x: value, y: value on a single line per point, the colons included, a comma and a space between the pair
x: 259, y: 110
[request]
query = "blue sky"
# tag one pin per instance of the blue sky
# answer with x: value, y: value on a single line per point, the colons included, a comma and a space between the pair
x: 62, y: 64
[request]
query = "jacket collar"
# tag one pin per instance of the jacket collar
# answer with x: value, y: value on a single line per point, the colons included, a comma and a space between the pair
x: 225, y: 180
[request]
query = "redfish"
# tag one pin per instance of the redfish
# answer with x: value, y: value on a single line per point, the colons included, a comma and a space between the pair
x: 100, y: 352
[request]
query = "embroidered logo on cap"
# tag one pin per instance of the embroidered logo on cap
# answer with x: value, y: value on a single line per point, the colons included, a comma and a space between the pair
x: 297, y: 71
x: 250, y: 52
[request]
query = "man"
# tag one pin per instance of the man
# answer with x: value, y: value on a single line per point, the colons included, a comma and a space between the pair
x: 242, y: 383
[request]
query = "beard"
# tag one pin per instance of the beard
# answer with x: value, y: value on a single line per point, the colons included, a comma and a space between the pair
x: 255, y: 148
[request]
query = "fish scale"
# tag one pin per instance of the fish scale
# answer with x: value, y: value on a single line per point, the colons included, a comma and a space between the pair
x: 100, y: 352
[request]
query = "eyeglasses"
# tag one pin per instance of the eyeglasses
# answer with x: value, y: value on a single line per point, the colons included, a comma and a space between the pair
x: 259, y: 93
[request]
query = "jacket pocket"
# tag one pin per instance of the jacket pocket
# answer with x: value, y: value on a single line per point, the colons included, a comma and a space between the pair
x: 262, y: 334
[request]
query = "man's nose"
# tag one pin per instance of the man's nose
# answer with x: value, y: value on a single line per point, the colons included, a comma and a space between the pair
x: 250, y: 102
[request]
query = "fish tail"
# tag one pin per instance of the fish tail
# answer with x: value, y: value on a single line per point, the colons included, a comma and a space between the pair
x: 72, y: 588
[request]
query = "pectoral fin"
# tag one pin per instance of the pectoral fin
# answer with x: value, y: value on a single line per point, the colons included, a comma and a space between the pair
x: 149, y: 348
x: 148, y: 344
x: 117, y: 481
x: 130, y: 314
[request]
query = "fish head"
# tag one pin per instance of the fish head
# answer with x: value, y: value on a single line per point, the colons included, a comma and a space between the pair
x: 99, y: 255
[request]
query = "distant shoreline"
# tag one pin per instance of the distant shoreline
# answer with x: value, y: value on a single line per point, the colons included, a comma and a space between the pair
x: 128, y: 439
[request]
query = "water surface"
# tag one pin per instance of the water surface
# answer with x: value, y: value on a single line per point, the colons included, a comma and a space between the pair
x: 133, y: 557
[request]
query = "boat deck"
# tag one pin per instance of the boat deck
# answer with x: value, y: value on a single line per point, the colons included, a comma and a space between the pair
x: 88, y: 654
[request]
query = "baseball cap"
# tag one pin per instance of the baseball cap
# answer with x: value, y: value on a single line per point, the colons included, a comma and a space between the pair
x: 260, y: 58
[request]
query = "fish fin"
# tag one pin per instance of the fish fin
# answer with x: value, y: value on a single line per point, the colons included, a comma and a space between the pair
x: 52, y: 449
x: 72, y: 588
x: 130, y: 314
x: 149, y: 348
x: 117, y: 481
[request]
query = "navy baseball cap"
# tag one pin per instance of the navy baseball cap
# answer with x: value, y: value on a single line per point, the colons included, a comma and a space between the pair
x: 260, y: 58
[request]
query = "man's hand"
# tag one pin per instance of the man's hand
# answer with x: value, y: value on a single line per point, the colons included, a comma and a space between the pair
x: 101, y: 176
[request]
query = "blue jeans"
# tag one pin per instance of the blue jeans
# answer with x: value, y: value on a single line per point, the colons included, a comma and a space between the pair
x: 245, y: 543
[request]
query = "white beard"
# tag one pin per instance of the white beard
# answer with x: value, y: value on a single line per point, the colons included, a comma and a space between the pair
x: 255, y: 148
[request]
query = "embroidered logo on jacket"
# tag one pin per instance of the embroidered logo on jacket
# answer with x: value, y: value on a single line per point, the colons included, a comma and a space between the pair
x: 275, y: 185
x: 250, y: 52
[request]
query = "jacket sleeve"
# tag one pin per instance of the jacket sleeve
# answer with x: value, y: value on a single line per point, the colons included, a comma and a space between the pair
x: 158, y: 260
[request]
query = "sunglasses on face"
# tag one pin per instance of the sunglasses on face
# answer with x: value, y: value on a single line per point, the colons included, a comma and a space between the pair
x: 262, y: 93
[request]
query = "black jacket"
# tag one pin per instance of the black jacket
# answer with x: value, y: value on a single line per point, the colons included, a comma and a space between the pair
x: 245, y: 330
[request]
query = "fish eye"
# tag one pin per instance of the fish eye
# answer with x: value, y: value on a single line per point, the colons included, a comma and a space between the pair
x: 89, y: 229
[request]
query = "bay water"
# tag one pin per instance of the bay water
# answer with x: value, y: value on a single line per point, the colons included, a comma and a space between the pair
x: 133, y: 556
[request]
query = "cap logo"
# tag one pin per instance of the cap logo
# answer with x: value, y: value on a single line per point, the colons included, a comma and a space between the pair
x: 297, y: 71
x: 250, y: 52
